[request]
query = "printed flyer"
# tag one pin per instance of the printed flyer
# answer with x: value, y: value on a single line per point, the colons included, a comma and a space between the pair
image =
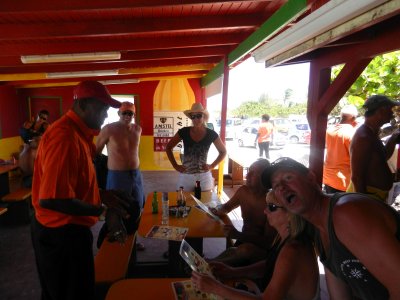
x: 167, y: 233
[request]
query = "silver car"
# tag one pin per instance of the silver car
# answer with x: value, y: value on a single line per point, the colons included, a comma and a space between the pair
x: 247, y: 138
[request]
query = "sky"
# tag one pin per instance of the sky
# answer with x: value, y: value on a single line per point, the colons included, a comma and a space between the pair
x: 250, y: 80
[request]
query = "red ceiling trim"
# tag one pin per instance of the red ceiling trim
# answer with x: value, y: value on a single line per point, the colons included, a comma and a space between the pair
x: 45, y: 6
x: 33, y: 47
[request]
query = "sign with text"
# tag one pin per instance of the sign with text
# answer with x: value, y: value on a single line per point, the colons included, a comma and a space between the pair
x: 166, y: 125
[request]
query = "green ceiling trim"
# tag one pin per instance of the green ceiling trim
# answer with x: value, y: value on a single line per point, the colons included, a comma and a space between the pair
x: 280, y: 18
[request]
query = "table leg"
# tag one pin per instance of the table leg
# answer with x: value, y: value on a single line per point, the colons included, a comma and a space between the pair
x: 4, y: 184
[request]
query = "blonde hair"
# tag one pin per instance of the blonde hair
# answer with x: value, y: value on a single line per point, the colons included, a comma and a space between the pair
x: 297, y: 224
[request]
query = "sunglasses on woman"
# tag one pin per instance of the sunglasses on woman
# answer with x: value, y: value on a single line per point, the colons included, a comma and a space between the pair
x: 198, y: 116
x: 127, y: 113
x: 273, y: 207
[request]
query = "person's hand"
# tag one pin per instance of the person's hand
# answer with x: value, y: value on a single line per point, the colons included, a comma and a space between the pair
x: 207, y: 167
x: 204, y: 282
x: 115, y: 202
x: 115, y: 227
x: 231, y: 232
x: 180, y: 168
x: 217, y: 211
x: 221, y: 270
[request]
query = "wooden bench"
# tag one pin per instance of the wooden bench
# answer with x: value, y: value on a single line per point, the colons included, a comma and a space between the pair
x: 111, y: 263
x: 21, y: 194
x: 18, y: 204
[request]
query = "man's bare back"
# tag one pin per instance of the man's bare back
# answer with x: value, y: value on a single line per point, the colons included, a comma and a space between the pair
x: 369, y: 161
x: 122, y: 142
x: 27, y: 157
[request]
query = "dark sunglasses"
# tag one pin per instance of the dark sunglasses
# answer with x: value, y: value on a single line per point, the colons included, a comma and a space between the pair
x: 127, y: 113
x: 198, y: 116
x: 43, y: 118
x: 273, y: 207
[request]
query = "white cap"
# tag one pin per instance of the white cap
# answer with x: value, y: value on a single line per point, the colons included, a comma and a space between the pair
x: 350, y: 110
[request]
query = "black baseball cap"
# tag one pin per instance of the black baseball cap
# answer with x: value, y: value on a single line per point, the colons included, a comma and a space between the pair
x: 377, y: 101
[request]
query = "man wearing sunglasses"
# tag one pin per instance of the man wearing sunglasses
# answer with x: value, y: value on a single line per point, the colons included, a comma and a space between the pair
x: 35, y: 127
x: 122, y: 140
x: 357, y: 236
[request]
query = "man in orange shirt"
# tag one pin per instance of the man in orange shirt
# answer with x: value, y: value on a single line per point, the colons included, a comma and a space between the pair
x: 66, y: 198
x: 264, y: 135
x: 337, y: 171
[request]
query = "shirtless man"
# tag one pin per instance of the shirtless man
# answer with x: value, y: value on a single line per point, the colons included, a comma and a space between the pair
x: 257, y: 235
x: 370, y: 172
x: 122, y: 140
x: 26, y: 161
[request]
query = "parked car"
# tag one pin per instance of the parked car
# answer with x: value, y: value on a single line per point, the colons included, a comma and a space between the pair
x: 233, y: 126
x: 299, y: 133
x: 247, y: 138
x: 281, y: 125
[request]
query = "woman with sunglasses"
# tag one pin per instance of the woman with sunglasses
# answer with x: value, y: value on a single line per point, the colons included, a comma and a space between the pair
x: 197, y: 140
x: 289, y: 272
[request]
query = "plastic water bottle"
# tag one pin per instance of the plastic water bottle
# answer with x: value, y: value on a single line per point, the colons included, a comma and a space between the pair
x: 165, y: 209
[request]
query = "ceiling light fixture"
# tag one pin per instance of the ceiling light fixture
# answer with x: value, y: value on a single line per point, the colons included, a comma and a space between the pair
x: 328, y: 16
x: 69, y: 57
x: 82, y: 74
x: 119, y: 81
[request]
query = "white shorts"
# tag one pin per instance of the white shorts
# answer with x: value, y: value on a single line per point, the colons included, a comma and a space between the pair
x: 188, y: 181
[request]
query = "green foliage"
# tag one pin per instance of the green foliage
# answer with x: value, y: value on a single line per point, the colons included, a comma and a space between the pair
x: 267, y: 106
x: 381, y: 76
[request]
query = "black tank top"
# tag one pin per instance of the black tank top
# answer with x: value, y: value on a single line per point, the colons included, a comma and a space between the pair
x: 344, y: 265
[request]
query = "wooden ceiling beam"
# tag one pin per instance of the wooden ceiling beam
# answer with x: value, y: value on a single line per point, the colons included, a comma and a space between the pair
x: 38, y: 6
x: 93, y: 66
x: 126, y: 56
x: 33, y: 47
x: 138, y: 26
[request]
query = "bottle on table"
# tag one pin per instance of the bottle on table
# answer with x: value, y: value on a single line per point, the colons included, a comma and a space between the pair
x: 165, y: 208
x: 181, y: 199
x: 181, y: 203
x: 154, y: 203
x: 197, y: 190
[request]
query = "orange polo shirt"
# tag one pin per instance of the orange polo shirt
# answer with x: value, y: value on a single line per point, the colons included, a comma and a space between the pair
x: 337, y: 171
x: 64, y: 170
x: 264, y: 132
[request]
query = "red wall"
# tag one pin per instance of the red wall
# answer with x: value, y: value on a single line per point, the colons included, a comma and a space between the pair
x: 14, y: 104
x: 11, y: 112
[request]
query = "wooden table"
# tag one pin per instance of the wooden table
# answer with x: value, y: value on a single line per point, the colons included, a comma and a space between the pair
x: 144, y: 289
x: 4, y: 178
x: 199, y: 224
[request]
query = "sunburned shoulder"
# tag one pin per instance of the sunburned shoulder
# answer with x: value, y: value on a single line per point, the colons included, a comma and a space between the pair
x: 247, y: 192
x: 358, y: 210
x: 293, y: 248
